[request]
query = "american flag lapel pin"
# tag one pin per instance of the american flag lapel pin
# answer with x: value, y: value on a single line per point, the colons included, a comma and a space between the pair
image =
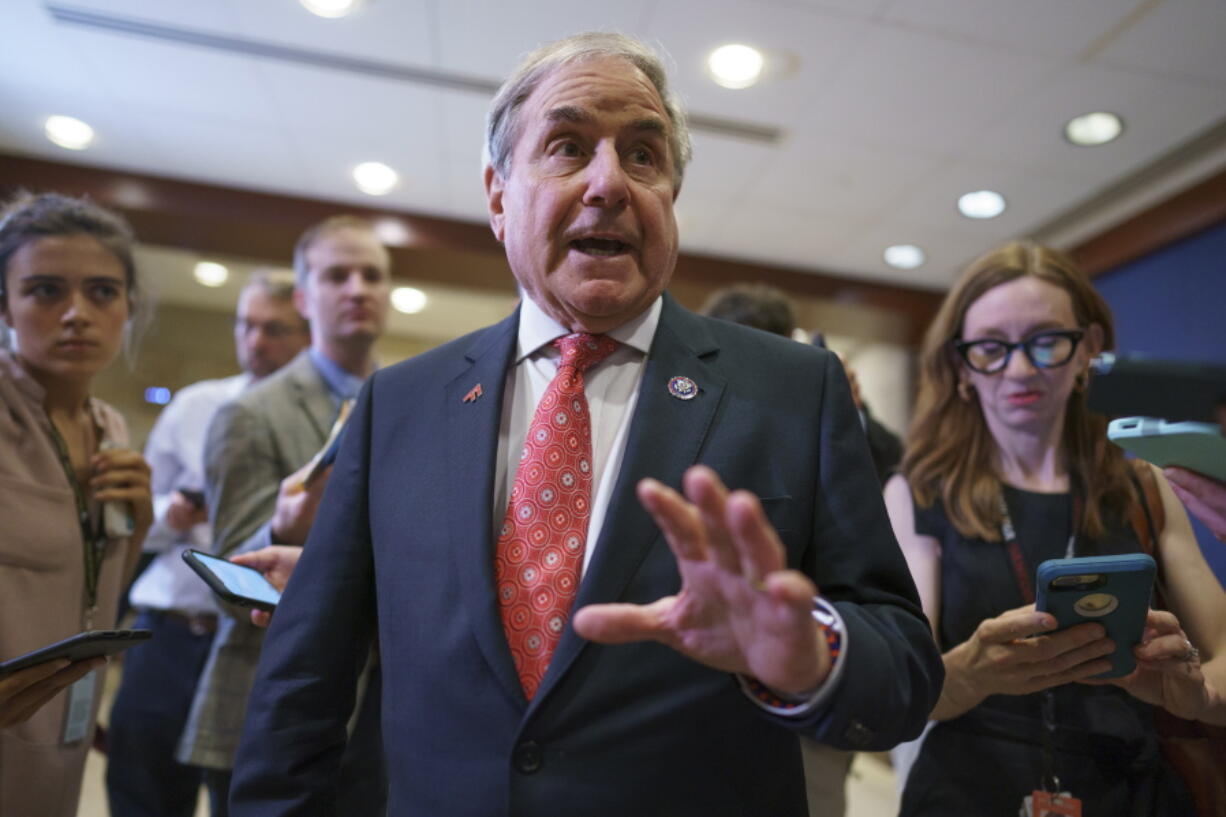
x: 473, y: 394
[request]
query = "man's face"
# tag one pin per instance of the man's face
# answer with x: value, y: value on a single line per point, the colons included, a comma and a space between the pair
x: 348, y: 287
x: 586, y: 211
x: 268, y: 332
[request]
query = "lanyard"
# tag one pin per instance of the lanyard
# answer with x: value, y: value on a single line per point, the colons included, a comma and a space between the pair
x: 93, y: 537
x: 1047, y: 705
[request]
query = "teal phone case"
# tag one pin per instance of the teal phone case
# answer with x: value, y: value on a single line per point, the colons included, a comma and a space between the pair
x: 1117, y: 597
x: 1198, y: 447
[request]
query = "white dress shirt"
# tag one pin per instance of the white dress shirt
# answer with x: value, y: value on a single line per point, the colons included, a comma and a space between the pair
x: 175, y: 452
x: 612, y: 390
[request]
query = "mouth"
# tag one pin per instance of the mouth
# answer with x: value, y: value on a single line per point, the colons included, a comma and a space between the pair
x: 601, y: 247
x: 76, y: 343
x: 1024, y: 398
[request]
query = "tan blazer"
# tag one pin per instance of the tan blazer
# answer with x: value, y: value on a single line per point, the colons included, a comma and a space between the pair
x: 42, y: 589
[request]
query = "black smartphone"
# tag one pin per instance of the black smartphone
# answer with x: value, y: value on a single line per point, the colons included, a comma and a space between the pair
x: 194, y: 497
x: 1130, y: 385
x: 237, y: 584
x: 77, y: 648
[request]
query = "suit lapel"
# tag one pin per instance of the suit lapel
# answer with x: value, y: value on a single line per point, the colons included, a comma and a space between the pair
x: 313, y: 397
x: 665, y: 438
x: 472, y: 446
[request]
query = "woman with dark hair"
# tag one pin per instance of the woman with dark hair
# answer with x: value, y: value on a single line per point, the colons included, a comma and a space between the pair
x: 74, y: 500
x: 1006, y: 467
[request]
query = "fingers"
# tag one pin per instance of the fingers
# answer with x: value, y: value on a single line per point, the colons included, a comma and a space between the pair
x: 758, y: 544
x: 1014, y: 624
x: 261, y: 618
x: 624, y: 623
x: 704, y: 488
x: 25, y: 692
x: 678, y: 520
x: 262, y: 559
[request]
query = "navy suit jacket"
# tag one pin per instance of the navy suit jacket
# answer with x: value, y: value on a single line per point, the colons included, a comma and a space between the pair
x: 402, y: 550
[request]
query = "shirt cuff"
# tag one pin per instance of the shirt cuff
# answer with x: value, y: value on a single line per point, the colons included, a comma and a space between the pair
x: 798, y: 706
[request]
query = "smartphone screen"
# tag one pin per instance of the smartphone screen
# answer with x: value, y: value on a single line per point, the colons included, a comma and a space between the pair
x: 238, y: 580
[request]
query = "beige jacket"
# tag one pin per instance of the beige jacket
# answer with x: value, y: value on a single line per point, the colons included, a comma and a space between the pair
x: 42, y: 589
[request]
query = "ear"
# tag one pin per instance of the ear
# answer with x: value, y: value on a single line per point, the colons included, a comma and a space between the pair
x: 300, y: 303
x: 1094, y: 339
x: 493, y: 198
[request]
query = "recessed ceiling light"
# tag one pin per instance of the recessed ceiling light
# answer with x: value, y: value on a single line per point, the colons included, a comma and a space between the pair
x: 393, y: 232
x: 68, y: 132
x: 211, y: 274
x: 330, y: 8
x: 409, y: 300
x: 1091, y: 129
x: 904, y: 256
x: 981, y: 204
x: 375, y: 178
x: 736, y: 65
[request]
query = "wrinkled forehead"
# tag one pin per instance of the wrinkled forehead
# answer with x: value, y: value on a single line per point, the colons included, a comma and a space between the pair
x: 591, y: 88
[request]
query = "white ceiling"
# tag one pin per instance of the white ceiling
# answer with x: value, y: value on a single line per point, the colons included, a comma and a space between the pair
x: 889, y: 109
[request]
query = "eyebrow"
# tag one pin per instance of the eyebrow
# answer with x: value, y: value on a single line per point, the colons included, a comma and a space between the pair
x: 579, y: 116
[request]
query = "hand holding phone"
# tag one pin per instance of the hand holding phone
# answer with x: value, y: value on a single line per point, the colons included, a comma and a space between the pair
x: 237, y: 584
x: 1111, y: 590
x: 80, y: 647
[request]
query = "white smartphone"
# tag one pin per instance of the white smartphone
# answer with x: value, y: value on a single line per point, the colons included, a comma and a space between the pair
x: 1198, y: 447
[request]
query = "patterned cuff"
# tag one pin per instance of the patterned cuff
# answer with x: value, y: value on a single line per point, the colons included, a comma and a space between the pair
x: 795, y: 706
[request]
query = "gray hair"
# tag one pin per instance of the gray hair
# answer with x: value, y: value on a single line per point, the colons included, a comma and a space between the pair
x: 502, y: 121
x: 275, y: 283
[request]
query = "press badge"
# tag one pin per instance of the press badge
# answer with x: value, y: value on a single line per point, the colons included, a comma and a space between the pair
x: 80, y: 708
x: 1041, y: 803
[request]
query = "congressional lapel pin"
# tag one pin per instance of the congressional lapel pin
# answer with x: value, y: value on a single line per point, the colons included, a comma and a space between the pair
x: 682, y: 388
x: 473, y: 394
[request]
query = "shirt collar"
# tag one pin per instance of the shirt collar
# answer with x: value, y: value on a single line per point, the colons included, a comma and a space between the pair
x: 536, y: 329
x: 342, y: 384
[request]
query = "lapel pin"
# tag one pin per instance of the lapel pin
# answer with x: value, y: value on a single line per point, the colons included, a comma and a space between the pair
x: 682, y: 388
x: 473, y: 394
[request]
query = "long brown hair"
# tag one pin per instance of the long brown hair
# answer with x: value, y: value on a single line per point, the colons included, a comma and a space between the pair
x: 950, y: 454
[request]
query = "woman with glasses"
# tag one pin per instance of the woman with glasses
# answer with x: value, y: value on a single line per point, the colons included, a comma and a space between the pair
x: 74, y: 500
x: 1006, y: 467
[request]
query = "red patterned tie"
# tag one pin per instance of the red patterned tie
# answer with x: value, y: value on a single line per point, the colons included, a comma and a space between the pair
x: 541, y: 543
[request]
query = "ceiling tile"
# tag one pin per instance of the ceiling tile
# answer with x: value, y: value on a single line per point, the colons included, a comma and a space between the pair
x: 1176, y: 39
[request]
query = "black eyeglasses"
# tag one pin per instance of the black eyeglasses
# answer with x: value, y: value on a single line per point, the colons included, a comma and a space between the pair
x: 1046, y: 350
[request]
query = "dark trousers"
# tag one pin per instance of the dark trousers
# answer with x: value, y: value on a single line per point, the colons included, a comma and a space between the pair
x: 155, y: 693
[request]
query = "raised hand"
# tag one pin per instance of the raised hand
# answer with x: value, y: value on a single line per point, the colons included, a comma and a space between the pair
x: 739, y: 609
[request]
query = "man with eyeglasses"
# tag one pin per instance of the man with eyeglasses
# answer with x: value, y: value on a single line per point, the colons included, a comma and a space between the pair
x: 159, y: 678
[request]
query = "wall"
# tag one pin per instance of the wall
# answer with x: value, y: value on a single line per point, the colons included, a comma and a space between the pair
x: 1172, y: 304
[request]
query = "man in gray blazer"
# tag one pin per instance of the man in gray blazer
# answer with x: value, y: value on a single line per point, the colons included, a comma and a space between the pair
x: 257, y: 448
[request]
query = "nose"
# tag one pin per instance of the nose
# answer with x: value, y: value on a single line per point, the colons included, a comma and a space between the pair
x: 356, y: 285
x: 1019, y: 364
x: 606, y: 178
x: 79, y: 310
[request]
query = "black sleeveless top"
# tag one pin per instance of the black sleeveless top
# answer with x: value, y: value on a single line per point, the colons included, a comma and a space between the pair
x: 985, y: 761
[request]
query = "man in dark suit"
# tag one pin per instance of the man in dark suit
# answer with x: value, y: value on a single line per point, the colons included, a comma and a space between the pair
x: 700, y: 645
